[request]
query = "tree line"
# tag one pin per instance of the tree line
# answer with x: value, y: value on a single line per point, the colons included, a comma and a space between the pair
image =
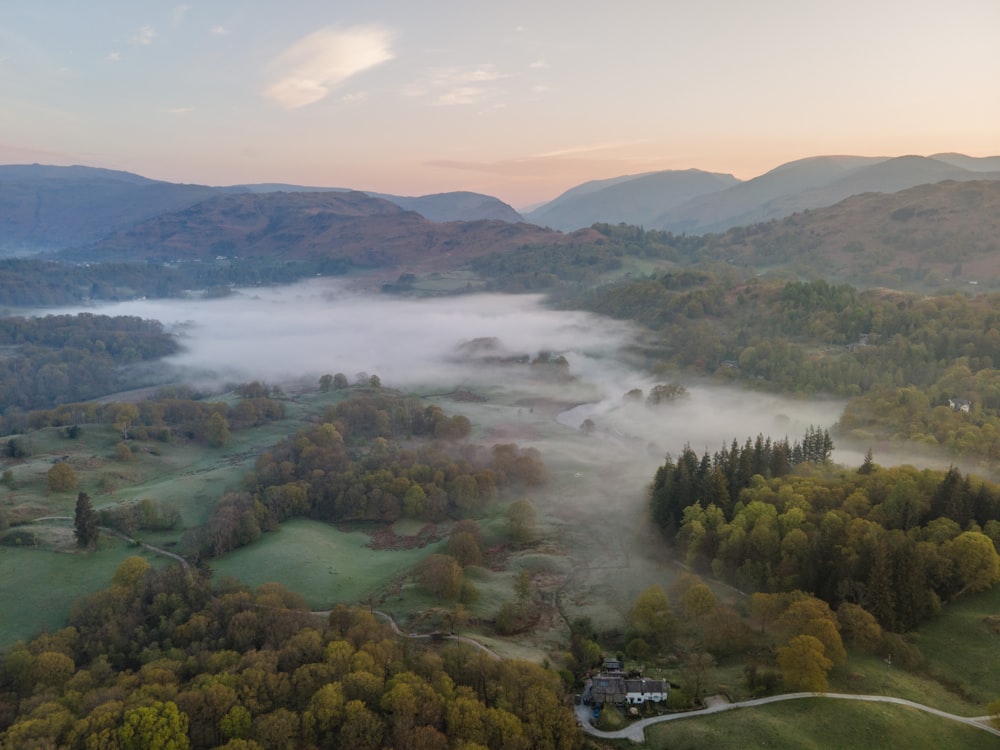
x: 59, y: 359
x: 163, y: 660
x: 897, y: 542
x: 378, y: 456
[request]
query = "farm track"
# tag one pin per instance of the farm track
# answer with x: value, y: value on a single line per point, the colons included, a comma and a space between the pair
x: 637, y: 731
x: 185, y: 565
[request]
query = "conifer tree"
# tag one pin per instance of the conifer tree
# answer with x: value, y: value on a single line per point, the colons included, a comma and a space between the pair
x: 85, y: 521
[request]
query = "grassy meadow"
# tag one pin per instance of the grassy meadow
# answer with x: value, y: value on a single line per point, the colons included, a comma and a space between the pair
x: 819, y: 724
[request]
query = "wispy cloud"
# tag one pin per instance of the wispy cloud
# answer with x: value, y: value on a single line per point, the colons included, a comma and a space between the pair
x: 144, y: 36
x: 114, y: 57
x: 587, y: 149
x: 538, y: 65
x: 178, y: 111
x: 219, y: 30
x: 178, y: 13
x: 305, y: 72
x: 458, y: 85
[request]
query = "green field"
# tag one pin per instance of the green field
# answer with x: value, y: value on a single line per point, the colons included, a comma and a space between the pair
x: 821, y: 724
x: 317, y: 560
x: 38, y: 587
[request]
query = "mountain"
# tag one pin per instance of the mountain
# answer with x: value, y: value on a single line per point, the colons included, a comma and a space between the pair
x: 348, y: 226
x: 811, y: 183
x: 636, y: 199
x: 920, y: 237
x: 455, y: 206
x: 746, y: 203
x: 48, y: 208
x: 45, y: 208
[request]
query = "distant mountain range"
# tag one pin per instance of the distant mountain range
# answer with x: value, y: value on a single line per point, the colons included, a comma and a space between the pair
x: 47, y: 208
x: 695, y: 202
x: 352, y: 227
x: 921, y: 238
x: 56, y: 209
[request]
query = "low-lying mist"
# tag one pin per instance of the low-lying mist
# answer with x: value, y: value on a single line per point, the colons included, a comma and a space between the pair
x: 293, y: 334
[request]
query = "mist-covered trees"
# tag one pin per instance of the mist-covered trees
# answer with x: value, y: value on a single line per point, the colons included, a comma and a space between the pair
x: 376, y: 457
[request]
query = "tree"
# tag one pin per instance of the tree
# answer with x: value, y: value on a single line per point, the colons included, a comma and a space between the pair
x: 325, y: 383
x: 340, y: 381
x: 62, y: 477
x: 803, y: 664
x: 125, y: 416
x: 441, y: 575
x: 160, y: 726
x: 975, y: 559
x: 521, y: 521
x: 651, y: 618
x: 217, y: 430
x: 85, y: 521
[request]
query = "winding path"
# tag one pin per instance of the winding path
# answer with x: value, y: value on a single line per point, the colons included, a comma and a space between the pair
x: 448, y: 637
x: 185, y: 565
x: 637, y: 731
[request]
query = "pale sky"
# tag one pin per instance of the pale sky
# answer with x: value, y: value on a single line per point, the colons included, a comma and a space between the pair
x: 518, y: 99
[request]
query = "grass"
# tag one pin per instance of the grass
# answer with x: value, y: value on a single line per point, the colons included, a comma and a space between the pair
x: 39, y: 586
x: 317, y: 560
x: 818, y: 723
x: 960, y: 650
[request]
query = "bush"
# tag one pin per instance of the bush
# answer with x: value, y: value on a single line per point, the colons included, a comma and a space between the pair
x: 62, y: 478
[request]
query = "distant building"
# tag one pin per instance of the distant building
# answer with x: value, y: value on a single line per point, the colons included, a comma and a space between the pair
x: 960, y: 404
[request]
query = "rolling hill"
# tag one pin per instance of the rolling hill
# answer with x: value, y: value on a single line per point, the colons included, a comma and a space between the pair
x: 350, y: 226
x: 48, y: 208
x: 636, y: 199
x: 922, y: 237
x: 810, y: 183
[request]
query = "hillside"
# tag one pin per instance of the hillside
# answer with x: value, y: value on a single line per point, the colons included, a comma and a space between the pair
x: 48, y: 208
x: 813, y: 183
x: 634, y: 200
x: 919, y: 236
x: 352, y: 227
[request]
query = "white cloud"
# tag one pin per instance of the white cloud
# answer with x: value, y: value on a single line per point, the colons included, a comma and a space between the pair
x: 114, y: 57
x: 144, y: 36
x: 180, y: 110
x: 219, y: 30
x: 354, y: 97
x: 306, y: 71
x: 538, y: 65
x: 458, y: 85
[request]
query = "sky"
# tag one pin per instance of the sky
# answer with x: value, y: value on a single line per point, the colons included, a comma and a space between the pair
x: 516, y: 99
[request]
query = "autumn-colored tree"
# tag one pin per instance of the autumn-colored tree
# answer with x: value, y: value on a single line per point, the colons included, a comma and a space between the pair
x: 521, y: 521
x: 159, y: 726
x: 464, y: 548
x: 803, y: 665
x: 61, y: 477
x: 651, y: 618
x: 860, y: 626
x: 975, y: 559
x: 441, y: 575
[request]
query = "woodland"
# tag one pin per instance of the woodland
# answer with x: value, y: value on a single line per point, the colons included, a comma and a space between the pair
x: 795, y: 569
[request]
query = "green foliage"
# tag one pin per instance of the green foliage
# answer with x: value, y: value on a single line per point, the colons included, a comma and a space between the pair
x: 890, y: 540
x: 85, y: 521
x: 62, y: 477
